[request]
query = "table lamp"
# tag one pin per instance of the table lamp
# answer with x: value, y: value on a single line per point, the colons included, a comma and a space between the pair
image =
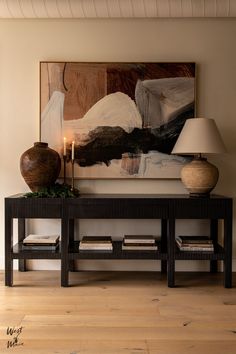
x: 199, y: 136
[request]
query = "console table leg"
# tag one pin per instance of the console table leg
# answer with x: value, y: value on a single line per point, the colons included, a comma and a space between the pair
x: 8, y: 272
x: 171, y: 254
x: 214, y: 238
x: 8, y: 250
x: 21, y: 236
x: 163, y: 244
x: 71, y: 241
x: 64, y: 252
x: 228, y: 252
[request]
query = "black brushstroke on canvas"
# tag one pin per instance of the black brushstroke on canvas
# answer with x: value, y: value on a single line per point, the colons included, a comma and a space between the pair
x: 107, y: 143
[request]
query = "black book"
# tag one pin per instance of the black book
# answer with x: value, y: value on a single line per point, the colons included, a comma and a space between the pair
x: 194, y: 239
x: 96, y: 239
x: 39, y: 247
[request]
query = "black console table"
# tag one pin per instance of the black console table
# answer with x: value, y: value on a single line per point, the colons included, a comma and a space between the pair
x: 167, y: 208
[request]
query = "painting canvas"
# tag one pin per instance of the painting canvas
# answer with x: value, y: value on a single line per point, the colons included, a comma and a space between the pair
x: 124, y: 118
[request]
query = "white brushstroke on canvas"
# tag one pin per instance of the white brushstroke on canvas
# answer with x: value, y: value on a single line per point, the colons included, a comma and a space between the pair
x: 115, y: 109
x: 52, y: 121
x: 162, y: 100
x: 154, y: 160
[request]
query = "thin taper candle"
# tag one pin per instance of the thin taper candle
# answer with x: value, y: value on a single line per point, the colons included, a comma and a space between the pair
x: 64, y: 146
x: 73, y: 151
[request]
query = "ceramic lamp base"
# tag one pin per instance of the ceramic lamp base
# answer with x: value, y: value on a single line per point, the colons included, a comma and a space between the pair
x: 199, y: 177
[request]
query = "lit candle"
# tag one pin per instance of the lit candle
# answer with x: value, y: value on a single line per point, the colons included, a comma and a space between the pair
x: 64, y: 150
x: 73, y: 151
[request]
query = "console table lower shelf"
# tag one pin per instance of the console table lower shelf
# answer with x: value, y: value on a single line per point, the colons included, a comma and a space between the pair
x: 116, y: 253
x: 119, y: 254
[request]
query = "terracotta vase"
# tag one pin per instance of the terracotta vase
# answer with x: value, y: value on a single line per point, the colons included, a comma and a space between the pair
x: 40, y: 166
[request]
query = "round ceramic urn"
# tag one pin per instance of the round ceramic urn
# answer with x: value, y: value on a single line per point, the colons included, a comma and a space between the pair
x: 40, y: 166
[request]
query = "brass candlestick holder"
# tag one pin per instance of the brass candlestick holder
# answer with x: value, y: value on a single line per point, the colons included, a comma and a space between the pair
x: 64, y: 169
x: 72, y: 175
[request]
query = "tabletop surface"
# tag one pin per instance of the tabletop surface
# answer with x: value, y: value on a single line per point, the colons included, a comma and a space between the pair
x: 127, y: 196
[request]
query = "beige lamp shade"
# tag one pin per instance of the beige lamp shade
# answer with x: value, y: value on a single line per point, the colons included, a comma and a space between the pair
x: 199, y: 136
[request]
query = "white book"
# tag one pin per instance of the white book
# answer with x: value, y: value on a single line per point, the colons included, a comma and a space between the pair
x: 41, y: 239
x: 144, y: 239
x: 97, y: 247
x: 196, y: 249
x: 93, y: 244
x: 192, y: 248
x: 139, y: 247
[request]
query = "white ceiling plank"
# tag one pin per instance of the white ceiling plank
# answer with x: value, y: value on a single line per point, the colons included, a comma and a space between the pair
x: 89, y: 8
x: 4, y: 10
x: 139, y: 8
x: 187, y: 8
x: 64, y: 8
x: 102, y: 8
x: 114, y: 9
x: 15, y: 9
x: 40, y: 9
x: 126, y: 7
x: 52, y: 9
x: 198, y: 8
x: 210, y: 8
x: 175, y: 8
x: 164, y: 8
x: 232, y: 4
x: 27, y: 8
x: 77, y: 9
x: 151, y: 8
x: 117, y: 8
x: 222, y: 8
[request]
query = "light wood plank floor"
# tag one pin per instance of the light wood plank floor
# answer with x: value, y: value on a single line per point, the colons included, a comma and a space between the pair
x: 118, y: 313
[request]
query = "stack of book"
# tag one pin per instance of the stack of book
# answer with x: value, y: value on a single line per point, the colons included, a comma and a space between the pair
x: 41, y: 242
x: 96, y: 243
x: 139, y: 243
x: 195, y: 243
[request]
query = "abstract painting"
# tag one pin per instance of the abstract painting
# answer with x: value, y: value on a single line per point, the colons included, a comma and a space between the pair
x: 124, y: 118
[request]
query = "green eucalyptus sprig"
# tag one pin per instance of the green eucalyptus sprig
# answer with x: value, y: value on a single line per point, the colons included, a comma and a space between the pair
x: 57, y: 190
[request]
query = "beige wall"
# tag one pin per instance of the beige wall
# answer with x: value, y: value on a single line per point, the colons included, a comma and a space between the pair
x: 23, y: 43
